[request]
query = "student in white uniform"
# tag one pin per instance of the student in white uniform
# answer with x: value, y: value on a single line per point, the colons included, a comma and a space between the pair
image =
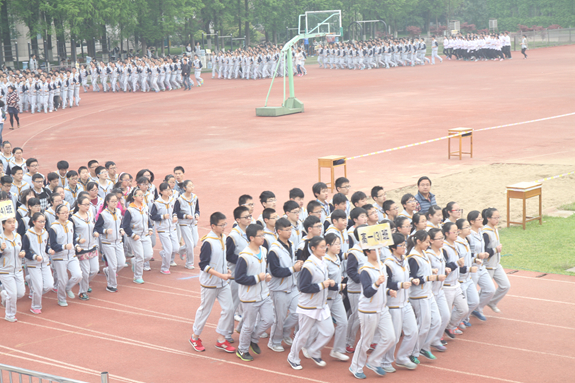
x: 434, y: 218
x: 378, y: 196
x: 11, y: 274
x: 374, y: 317
x: 86, y: 239
x: 39, y: 275
x: 354, y: 259
x: 214, y: 282
x: 313, y: 311
x: 253, y: 292
x: 468, y: 287
x: 493, y: 247
x: 187, y: 208
x: 166, y: 220
x: 283, y: 268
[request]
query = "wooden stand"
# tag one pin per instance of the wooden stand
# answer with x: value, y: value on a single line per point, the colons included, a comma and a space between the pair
x: 459, y: 133
x: 524, y: 191
x: 331, y: 162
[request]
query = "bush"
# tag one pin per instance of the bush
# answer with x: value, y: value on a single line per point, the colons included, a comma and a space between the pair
x: 524, y: 28
x: 413, y: 31
x: 438, y: 29
x: 483, y: 30
x: 467, y: 27
x: 554, y: 26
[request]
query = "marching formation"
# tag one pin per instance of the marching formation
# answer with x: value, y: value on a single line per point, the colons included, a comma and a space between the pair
x: 475, y: 47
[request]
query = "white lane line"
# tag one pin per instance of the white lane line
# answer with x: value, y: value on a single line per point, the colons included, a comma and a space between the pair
x: 132, y: 342
x: 152, y: 290
x: 541, y: 299
x: 470, y: 374
x: 517, y: 348
x: 540, y: 279
x: 166, y: 286
x: 529, y: 322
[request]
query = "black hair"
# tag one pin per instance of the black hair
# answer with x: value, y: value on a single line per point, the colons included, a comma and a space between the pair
x: 91, y: 185
x: 446, y: 227
x: 405, y: 198
x: 141, y: 174
x: 488, y: 213
x: 79, y: 202
x: 433, y: 231
x: 60, y: 207
x: 315, y: 241
x: 168, y: 177
x: 109, y: 164
x: 179, y: 168
x: 356, y: 212
x: 99, y: 170
x: 415, y: 219
x: 310, y: 221
x: 423, y: 179
x: 311, y: 205
x: 16, y: 149
x: 216, y: 217
x: 387, y: 205
x: 432, y: 210
x: 290, y: 205
x: 400, y: 220
x: 61, y: 165
x: 252, y: 230
x: 243, y: 199
x: 238, y: 211
x: 295, y: 193
x: 317, y: 188
x: 82, y: 168
x: 473, y: 215
x: 398, y: 239
x: 16, y: 169
x: 163, y: 186
x: 6, y: 142
x: 375, y: 190
x: 184, y: 184
x: 130, y: 197
x: 338, y: 214
x: 357, y: 196
x: 460, y: 223
x: 33, y: 202
x: 267, y: 213
x: 142, y: 180
x: 340, y: 181
x: 34, y: 218
x: 282, y: 223
x: 339, y: 198
x: 6, y: 180
x: 92, y: 162
x: 331, y: 238
x: 36, y: 176
x: 266, y: 195
x: 52, y: 176
x: 445, y: 211
x: 420, y: 235
x: 71, y: 173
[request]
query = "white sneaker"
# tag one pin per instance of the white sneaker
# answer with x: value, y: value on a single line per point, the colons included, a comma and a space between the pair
x: 339, y: 355
x: 409, y: 365
x: 147, y: 268
x: 265, y: 335
x: 494, y: 308
x: 304, y: 351
x: 11, y: 319
x: 288, y: 341
x: 70, y: 294
x: 276, y: 348
x: 389, y: 369
x: 237, y: 317
x: 173, y: 264
x: 191, y: 267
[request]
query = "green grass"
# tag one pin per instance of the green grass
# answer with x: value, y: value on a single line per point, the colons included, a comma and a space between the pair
x: 569, y: 206
x: 547, y: 248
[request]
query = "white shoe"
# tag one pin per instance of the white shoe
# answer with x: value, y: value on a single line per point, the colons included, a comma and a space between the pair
x: 389, y: 369
x: 147, y: 268
x: 11, y: 319
x: 265, y: 335
x: 191, y: 267
x: 304, y: 351
x: 494, y: 308
x: 288, y: 341
x: 173, y: 264
x: 276, y: 348
x: 63, y: 303
x: 237, y: 318
x: 70, y: 294
x: 339, y: 355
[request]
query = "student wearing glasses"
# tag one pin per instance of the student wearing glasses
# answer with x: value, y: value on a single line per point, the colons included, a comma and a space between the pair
x: 313, y: 227
x: 493, y: 247
x: 409, y: 204
x: 292, y: 210
x: 451, y: 212
x: 86, y: 244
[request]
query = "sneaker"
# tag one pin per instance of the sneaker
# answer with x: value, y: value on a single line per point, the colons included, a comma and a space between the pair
x: 428, y: 354
x: 245, y: 356
x: 443, y: 342
x: 389, y: 369
x: 339, y: 355
x: 304, y: 352
x: 173, y: 264
x: 111, y: 289
x: 265, y: 335
x: 457, y: 331
x: 55, y: 290
x: 255, y: 348
x: 349, y: 349
x: 191, y: 267
x: 479, y: 315
x: 408, y: 365
x: 372, y: 346
x: 276, y: 348
x: 466, y: 323
x: 439, y: 347
x: 225, y: 345
x: 450, y: 333
x: 36, y: 311
x: 11, y: 319
x: 378, y: 370
x: 147, y: 268
x: 89, y: 290
x: 494, y: 308
x: 288, y: 341
x: 152, y: 259
x: 182, y: 256
x: 461, y: 326
x: 414, y: 359
x: 358, y: 375
x: 237, y: 317
x: 197, y: 344
x: 295, y: 366
x: 230, y: 339
x: 319, y: 361
x: 62, y: 303
x: 83, y: 296
x: 138, y: 281
x: 166, y: 272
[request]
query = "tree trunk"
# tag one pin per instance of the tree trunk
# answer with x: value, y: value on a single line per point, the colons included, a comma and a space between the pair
x: 239, y: 18
x: 5, y: 32
x: 247, y: 25
x: 104, y: 40
x: 60, y: 38
x: 144, y: 48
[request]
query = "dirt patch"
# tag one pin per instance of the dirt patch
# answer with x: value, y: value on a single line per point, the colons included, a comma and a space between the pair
x: 485, y: 186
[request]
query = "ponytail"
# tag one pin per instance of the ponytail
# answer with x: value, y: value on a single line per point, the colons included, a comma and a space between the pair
x: 473, y: 215
x: 446, y: 227
x: 488, y: 213
x: 432, y: 210
x: 447, y: 209
x: 420, y: 235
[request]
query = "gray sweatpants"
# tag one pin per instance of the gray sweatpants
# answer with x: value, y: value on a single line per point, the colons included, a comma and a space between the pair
x: 252, y: 329
x: 65, y: 284
x: 170, y: 247
x: 428, y: 322
x: 457, y: 305
x: 89, y: 268
x: 143, y: 252
x: 116, y: 259
x: 469, y: 289
x: 370, y: 323
x: 285, y: 316
x: 353, y: 320
x: 209, y: 296
x: 444, y: 315
x: 404, y: 320
x: 190, y: 236
x: 503, y: 285
x: 340, y: 317
x: 308, y: 326
x: 484, y: 281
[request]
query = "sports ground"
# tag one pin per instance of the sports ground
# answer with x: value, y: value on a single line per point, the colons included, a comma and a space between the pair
x: 141, y: 334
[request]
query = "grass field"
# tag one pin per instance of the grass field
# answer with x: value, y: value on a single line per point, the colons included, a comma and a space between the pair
x: 569, y: 206
x: 547, y: 248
